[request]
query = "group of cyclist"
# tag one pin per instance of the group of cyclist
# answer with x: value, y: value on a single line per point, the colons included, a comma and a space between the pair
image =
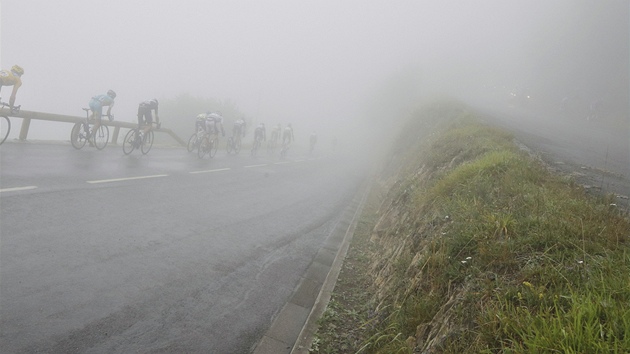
x: 287, y: 133
x: 145, y: 111
x: 13, y: 77
x: 210, y: 122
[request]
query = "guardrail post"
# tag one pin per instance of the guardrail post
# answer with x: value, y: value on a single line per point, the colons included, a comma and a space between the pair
x: 26, y: 123
x: 115, y: 136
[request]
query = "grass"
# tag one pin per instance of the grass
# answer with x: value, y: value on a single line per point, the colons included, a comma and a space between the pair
x: 477, y: 247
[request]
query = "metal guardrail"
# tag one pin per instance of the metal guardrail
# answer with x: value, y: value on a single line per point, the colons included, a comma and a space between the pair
x: 27, y: 116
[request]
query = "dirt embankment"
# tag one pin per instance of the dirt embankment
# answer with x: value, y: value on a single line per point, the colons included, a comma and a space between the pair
x: 468, y: 230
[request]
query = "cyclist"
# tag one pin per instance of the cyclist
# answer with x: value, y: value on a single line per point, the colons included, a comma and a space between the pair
x: 260, y: 133
x: 200, y: 122
x: 239, y: 128
x: 13, y: 78
x: 213, y: 121
x: 275, y: 133
x: 96, y: 105
x: 145, y: 117
x: 287, y: 135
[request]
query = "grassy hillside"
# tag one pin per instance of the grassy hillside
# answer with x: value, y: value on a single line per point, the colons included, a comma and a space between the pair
x: 469, y: 244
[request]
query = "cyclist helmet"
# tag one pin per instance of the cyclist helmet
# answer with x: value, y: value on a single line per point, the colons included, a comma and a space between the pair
x: 16, y: 69
x: 111, y: 93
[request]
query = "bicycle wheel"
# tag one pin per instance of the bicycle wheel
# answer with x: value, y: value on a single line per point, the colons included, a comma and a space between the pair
x: 230, y: 145
x: 129, y: 142
x: 214, y: 146
x: 101, y: 137
x: 255, y: 147
x: 192, y: 143
x: 237, y: 145
x: 283, y: 152
x: 204, y: 147
x: 5, y: 128
x: 147, y: 142
x: 78, y: 136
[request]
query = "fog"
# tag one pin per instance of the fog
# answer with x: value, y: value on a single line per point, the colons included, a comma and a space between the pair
x: 321, y: 65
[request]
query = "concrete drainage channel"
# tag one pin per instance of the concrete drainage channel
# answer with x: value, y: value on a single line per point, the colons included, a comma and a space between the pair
x: 293, y: 328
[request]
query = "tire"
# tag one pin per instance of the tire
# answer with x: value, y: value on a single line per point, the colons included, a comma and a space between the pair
x: 101, y: 137
x: 77, y: 136
x: 4, y: 129
x: 128, y: 143
x: 192, y: 143
x: 204, y: 147
x: 237, y: 146
x: 283, y: 151
x: 214, y: 146
x: 255, y: 147
x: 147, y: 142
x: 230, y: 145
x: 271, y: 146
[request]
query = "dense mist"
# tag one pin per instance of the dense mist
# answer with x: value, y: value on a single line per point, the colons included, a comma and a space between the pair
x: 322, y: 65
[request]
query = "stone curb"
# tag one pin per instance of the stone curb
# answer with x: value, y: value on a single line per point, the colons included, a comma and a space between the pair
x: 294, y: 327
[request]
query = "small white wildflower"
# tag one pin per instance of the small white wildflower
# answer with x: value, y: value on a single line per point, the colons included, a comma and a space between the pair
x: 580, y: 262
x: 463, y: 262
x: 613, y: 204
x: 468, y: 258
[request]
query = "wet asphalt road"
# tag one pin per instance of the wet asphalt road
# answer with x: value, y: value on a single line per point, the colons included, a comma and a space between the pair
x: 596, y: 153
x: 106, y: 253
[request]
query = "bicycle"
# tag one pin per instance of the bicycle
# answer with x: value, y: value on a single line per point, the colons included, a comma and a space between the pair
x: 311, y: 148
x: 256, y: 145
x: 195, y: 140
x: 83, y: 132
x: 208, y: 145
x: 285, y: 149
x: 5, y: 125
x: 138, y: 139
x: 234, y: 144
x: 273, y: 142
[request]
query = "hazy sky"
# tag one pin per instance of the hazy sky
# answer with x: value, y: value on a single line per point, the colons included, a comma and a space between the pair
x: 278, y: 60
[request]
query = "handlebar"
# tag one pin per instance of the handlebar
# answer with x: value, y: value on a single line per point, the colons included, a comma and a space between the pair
x: 157, y: 125
x: 87, y: 113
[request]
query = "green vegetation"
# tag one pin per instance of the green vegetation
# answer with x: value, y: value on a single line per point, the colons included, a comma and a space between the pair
x: 476, y: 247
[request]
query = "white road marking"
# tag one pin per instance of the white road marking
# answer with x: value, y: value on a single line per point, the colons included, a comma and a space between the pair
x: 250, y: 166
x: 208, y: 171
x: 125, y: 179
x: 281, y: 163
x: 15, y: 189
